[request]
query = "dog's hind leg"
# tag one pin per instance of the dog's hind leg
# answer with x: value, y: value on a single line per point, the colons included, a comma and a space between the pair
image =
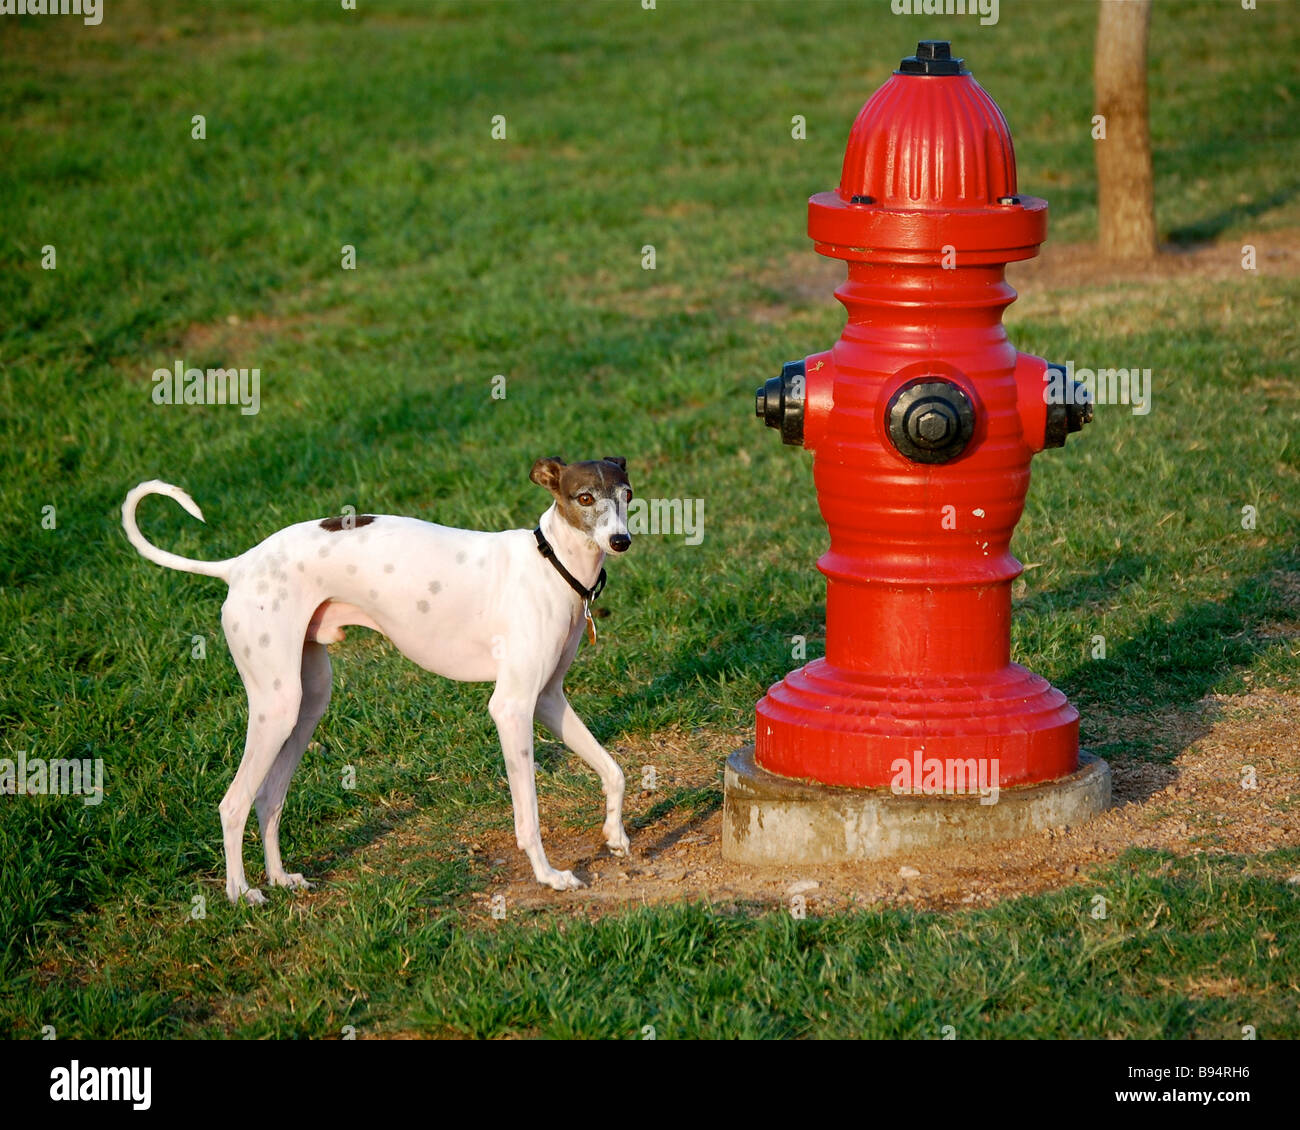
x: 316, y: 685
x: 269, y: 664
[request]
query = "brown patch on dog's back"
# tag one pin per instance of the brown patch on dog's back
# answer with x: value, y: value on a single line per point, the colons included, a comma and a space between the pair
x: 347, y: 522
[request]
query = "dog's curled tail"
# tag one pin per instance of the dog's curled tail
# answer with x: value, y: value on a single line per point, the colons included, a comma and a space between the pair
x: 160, y: 556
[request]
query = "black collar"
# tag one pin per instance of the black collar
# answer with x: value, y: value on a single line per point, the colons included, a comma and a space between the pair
x: 587, y: 594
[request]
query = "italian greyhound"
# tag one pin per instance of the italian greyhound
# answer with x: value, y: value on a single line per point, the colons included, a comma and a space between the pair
x: 504, y: 607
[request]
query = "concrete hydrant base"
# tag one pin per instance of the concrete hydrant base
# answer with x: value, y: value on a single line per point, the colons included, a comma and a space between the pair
x: 774, y: 820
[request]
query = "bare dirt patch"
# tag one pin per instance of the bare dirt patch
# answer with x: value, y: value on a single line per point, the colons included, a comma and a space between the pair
x: 1195, y: 805
x: 234, y: 336
x: 804, y: 277
x: 1063, y: 265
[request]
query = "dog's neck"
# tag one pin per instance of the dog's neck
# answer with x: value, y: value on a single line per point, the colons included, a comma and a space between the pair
x: 576, y: 551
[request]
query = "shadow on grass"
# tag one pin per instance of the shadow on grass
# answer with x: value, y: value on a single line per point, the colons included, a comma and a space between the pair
x: 1173, y: 664
x: 369, y: 830
x: 751, y: 647
x: 1211, y: 227
x: 1166, y: 668
x: 1155, y: 681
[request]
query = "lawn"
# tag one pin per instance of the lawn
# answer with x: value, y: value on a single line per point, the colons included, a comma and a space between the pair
x: 522, y: 257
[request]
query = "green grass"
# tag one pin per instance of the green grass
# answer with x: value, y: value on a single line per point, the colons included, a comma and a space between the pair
x: 1180, y: 952
x: 1186, y: 949
x: 522, y: 257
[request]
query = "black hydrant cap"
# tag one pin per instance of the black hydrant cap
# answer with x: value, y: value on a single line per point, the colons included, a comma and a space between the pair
x: 933, y: 57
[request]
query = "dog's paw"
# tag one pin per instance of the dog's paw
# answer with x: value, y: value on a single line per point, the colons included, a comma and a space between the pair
x: 244, y: 893
x: 294, y: 882
x: 617, y: 842
x: 562, y: 881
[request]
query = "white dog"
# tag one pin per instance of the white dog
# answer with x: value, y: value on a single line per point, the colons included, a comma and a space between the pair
x: 506, y: 607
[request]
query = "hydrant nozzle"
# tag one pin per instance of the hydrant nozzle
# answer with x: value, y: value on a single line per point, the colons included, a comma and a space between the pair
x: 780, y: 401
x: 1069, y: 414
x: 930, y: 421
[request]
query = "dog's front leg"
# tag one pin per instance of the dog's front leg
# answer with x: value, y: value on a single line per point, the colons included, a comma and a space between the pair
x: 512, y: 710
x: 555, y: 713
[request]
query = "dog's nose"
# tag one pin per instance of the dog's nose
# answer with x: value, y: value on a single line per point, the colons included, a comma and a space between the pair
x: 619, y: 542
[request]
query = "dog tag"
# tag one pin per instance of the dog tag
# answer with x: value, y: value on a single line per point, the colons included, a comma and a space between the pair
x: 591, y: 624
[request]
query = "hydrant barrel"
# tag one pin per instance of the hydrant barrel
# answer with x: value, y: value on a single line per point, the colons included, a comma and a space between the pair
x: 922, y: 419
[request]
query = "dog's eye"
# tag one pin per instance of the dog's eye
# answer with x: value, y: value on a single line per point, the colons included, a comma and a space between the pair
x: 585, y: 498
x: 629, y: 497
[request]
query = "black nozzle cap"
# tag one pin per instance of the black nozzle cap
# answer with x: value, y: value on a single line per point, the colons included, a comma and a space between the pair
x: 1065, y: 418
x: 933, y: 57
x: 779, y: 403
x: 931, y: 420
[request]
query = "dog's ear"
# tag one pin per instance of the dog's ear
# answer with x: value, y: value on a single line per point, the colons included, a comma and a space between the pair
x: 617, y: 460
x: 546, y: 472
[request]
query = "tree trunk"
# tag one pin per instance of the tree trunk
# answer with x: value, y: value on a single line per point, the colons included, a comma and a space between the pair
x: 1125, y: 193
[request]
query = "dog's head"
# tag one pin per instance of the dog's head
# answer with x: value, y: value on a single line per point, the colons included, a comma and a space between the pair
x: 591, y: 497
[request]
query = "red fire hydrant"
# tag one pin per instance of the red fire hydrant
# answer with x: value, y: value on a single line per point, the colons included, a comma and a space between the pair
x: 923, y: 419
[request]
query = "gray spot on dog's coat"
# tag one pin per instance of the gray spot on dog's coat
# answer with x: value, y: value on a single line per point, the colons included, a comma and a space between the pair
x: 422, y: 605
x: 247, y: 652
x: 276, y: 685
x: 324, y: 551
x: 435, y: 587
x: 302, y: 566
x: 264, y: 640
x: 388, y: 568
x: 460, y: 558
x: 352, y: 568
x: 261, y: 717
x: 374, y: 594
